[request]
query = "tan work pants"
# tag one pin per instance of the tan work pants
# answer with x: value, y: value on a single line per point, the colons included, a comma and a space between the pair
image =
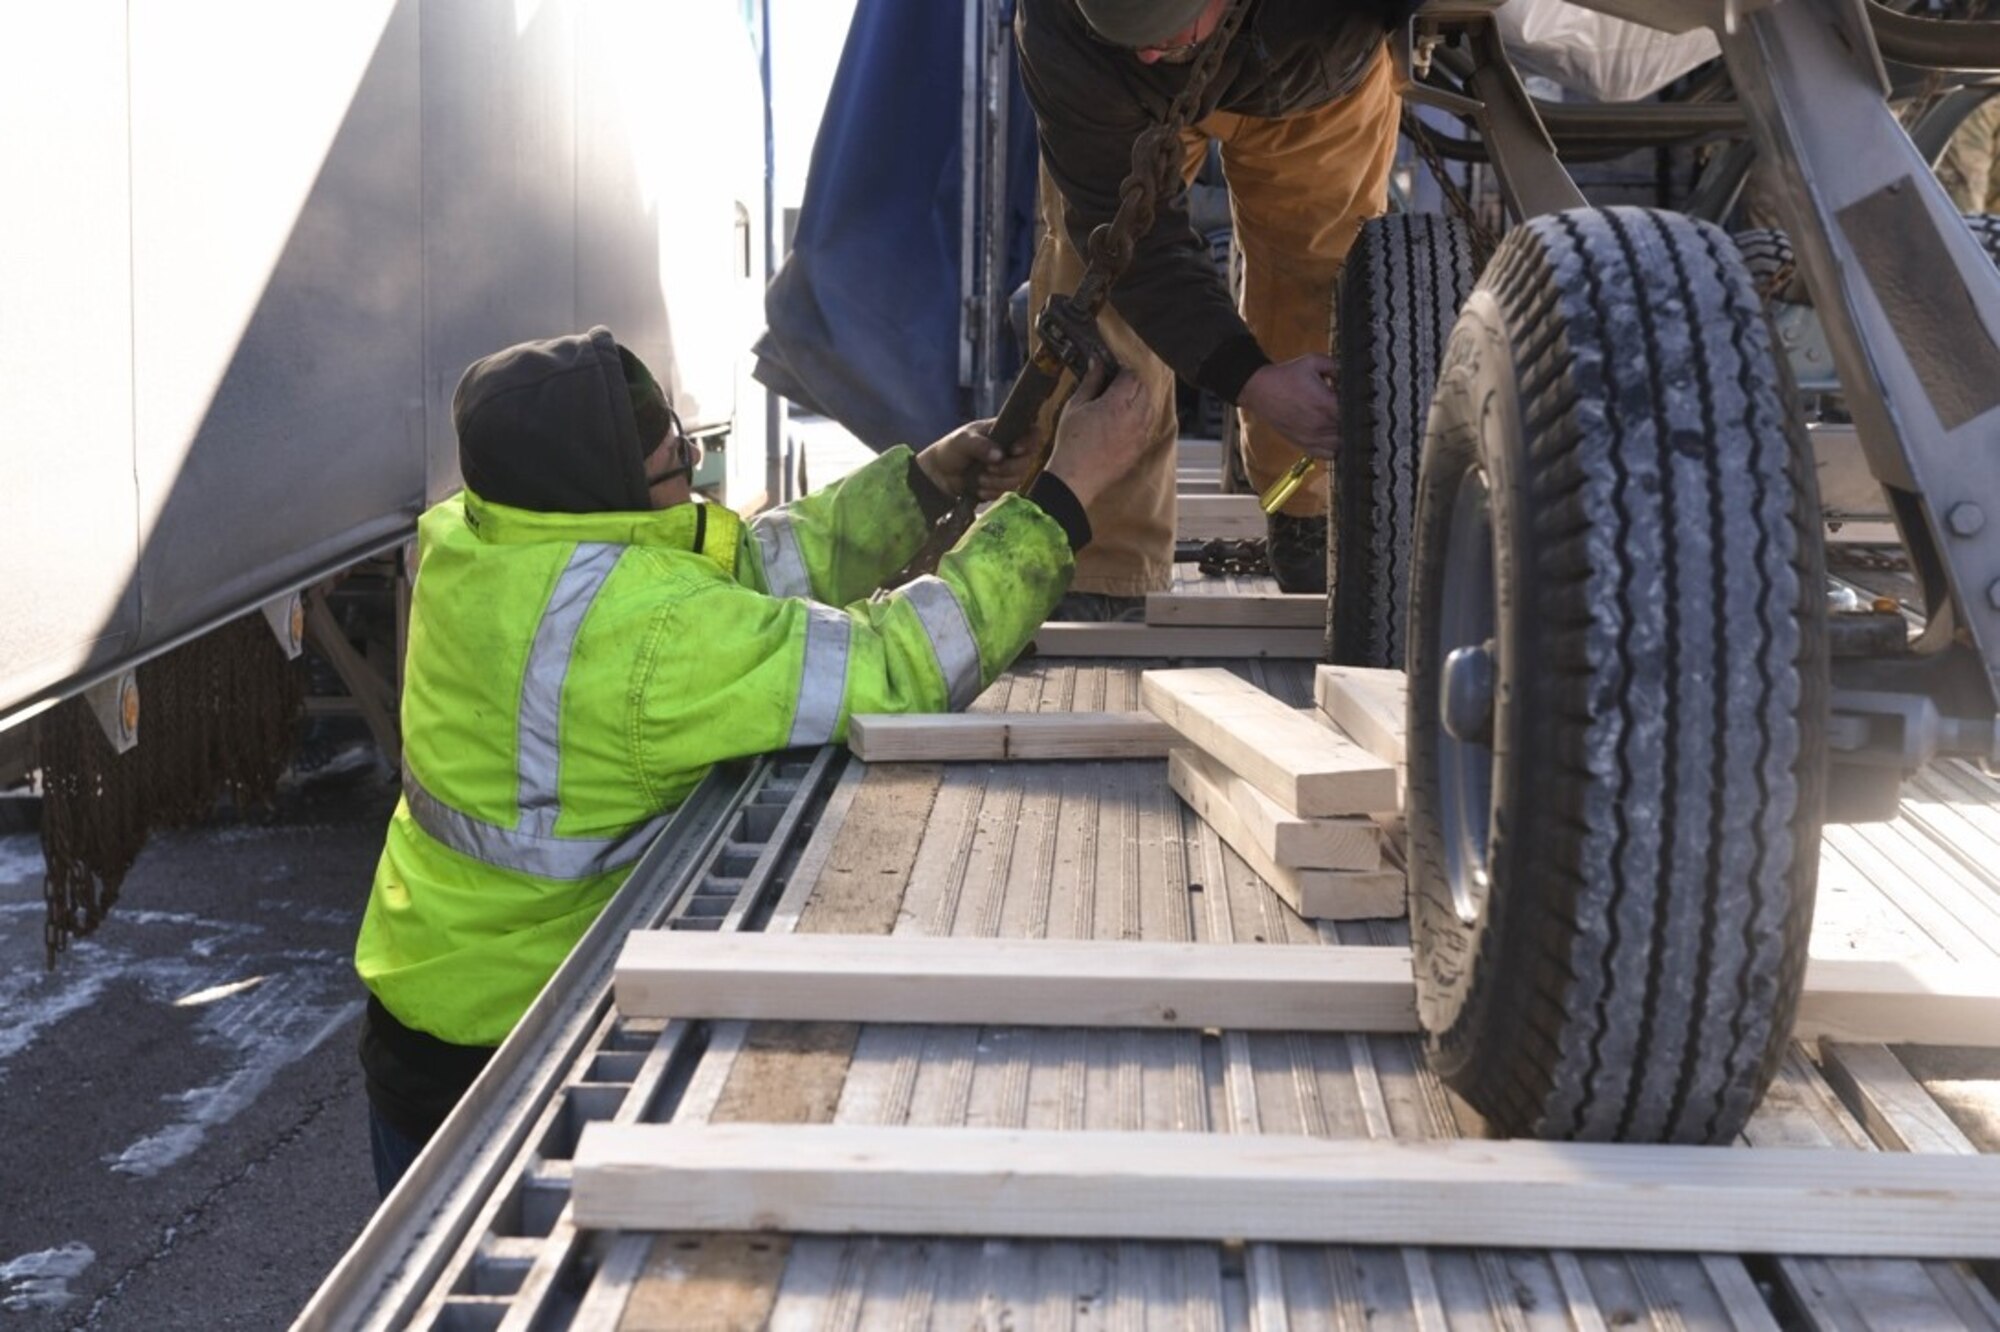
x: 1299, y: 190
x: 1967, y: 167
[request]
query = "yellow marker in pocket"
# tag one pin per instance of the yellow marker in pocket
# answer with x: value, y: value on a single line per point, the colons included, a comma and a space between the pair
x: 1288, y: 484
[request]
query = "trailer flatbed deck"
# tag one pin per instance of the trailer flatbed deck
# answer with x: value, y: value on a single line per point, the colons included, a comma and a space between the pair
x: 1105, y: 850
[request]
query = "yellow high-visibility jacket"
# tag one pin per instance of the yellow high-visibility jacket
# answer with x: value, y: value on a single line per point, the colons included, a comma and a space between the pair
x: 572, y: 677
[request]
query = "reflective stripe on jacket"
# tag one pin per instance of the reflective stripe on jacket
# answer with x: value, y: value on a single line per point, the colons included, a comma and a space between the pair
x: 571, y: 678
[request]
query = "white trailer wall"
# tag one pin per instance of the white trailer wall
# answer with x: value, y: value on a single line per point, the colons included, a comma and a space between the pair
x: 248, y: 249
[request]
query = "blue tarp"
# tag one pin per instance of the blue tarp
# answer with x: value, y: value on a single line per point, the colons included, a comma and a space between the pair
x: 864, y: 315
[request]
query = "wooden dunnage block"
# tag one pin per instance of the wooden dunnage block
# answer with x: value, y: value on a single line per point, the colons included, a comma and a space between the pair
x: 1282, y: 838
x: 1310, y: 770
x: 1219, y: 517
x: 1267, y: 610
x: 905, y: 1180
x: 1367, y: 704
x: 1015, y: 982
x: 1061, y: 639
x: 999, y: 736
x: 1123, y: 982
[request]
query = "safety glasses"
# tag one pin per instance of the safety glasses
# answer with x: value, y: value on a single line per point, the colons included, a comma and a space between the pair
x: 687, y: 459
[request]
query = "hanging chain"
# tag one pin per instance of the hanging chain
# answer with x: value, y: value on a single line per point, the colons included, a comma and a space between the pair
x: 1484, y: 241
x: 1155, y: 171
x: 1066, y: 330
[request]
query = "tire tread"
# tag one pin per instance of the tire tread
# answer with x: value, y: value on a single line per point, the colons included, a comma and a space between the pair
x: 1670, y: 577
x: 1405, y: 279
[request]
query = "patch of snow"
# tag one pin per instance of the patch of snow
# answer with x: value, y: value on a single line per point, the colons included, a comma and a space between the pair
x: 269, y: 1028
x: 38, y: 1281
x: 20, y: 858
x: 310, y: 993
x: 351, y: 757
x: 35, y: 1000
x: 141, y: 916
x: 348, y: 916
x: 236, y: 833
x: 216, y: 993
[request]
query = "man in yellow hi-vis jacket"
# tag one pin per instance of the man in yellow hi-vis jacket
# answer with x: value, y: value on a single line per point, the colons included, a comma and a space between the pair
x: 587, y: 640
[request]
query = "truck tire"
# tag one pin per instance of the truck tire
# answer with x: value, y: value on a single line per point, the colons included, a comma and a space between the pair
x: 1767, y: 254
x: 1405, y: 279
x: 1618, y: 678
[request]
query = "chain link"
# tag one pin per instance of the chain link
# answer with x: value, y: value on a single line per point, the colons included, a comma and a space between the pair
x: 1065, y: 331
x: 1155, y: 172
x: 1484, y: 240
x: 1222, y: 558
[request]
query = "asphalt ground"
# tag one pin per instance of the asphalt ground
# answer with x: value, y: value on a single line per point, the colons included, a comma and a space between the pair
x: 183, y: 1134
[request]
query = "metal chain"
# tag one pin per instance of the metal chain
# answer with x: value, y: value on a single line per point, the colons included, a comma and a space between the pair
x: 1155, y: 171
x: 1066, y: 327
x: 1221, y: 558
x: 1484, y: 240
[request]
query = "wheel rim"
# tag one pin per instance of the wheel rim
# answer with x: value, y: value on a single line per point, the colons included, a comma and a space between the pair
x: 1465, y: 702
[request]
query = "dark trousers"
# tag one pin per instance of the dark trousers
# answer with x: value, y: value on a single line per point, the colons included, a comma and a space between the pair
x: 393, y: 1149
x: 418, y: 1079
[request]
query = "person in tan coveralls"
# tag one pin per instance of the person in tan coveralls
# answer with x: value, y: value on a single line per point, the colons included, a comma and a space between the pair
x: 1306, y: 110
x: 1967, y: 169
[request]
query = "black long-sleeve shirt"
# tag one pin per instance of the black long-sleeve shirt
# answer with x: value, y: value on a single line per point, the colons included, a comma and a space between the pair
x: 1092, y: 100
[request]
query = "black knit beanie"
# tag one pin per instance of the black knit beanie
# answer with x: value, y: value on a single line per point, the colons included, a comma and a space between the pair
x: 561, y: 426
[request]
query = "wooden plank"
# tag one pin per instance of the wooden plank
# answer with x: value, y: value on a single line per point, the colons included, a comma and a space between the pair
x: 1893, y: 1106
x: 1368, y: 704
x: 1119, y: 982
x: 1219, y: 517
x: 899, y: 1179
x: 1279, y: 836
x: 1064, y: 639
x: 1014, y: 982
x: 1310, y: 770
x: 1275, y: 610
x: 1897, y: 1110
x: 1900, y: 1003
x: 1316, y: 894
x: 999, y: 736
x: 374, y: 695
x: 1198, y: 451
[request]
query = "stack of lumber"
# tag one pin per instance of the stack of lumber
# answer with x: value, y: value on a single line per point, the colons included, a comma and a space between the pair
x: 1300, y: 803
x: 1366, y: 706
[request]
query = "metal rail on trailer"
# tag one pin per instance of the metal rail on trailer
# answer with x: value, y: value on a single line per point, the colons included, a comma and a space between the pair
x: 476, y: 1221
